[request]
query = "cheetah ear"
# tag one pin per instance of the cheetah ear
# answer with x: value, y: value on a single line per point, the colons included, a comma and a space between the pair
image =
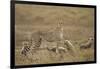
x: 91, y: 38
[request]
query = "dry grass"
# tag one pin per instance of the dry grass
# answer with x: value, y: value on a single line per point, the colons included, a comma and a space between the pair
x: 78, y: 24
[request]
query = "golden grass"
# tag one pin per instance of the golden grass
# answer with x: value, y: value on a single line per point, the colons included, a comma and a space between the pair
x: 78, y: 24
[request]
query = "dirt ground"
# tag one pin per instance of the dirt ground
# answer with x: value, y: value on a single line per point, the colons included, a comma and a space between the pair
x: 78, y: 25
